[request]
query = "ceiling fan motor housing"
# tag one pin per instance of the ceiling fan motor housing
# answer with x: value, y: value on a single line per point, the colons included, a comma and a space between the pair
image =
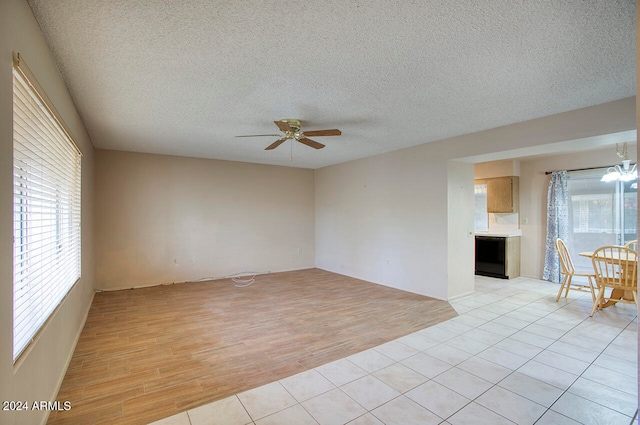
x: 294, y: 124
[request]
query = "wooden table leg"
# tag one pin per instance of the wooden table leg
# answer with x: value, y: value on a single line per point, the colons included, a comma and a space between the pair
x: 616, y: 294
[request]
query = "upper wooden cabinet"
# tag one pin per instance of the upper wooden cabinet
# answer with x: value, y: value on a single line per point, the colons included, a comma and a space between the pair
x: 503, y: 194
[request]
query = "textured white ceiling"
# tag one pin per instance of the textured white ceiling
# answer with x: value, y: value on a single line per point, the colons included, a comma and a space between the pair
x: 185, y: 77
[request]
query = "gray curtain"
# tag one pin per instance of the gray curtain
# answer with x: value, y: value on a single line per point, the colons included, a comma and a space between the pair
x: 557, y: 223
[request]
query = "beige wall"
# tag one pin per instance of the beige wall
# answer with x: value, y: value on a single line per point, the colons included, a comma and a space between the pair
x: 41, y: 369
x: 162, y: 219
x: 380, y: 219
x: 507, y: 167
x: 533, y: 198
x: 385, y: 218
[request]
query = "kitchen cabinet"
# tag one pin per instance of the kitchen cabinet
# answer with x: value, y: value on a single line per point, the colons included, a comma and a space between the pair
x: 498, y: 256
x: 503, y: 194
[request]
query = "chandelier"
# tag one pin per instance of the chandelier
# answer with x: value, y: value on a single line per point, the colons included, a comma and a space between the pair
x: 624, y: 173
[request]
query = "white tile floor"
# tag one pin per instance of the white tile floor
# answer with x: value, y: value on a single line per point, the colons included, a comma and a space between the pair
x: 513, y: 355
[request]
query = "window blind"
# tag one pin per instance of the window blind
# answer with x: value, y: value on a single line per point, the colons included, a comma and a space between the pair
x: 46, y: 210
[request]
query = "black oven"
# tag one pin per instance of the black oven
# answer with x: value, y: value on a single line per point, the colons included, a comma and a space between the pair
x: 491, y: 256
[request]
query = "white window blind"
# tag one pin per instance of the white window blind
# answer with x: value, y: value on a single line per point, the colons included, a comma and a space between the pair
x: 46, y: 209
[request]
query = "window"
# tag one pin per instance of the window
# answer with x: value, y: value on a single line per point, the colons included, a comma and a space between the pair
x: 481, y: 217
x: 600, y: 213
x: 46, y: 209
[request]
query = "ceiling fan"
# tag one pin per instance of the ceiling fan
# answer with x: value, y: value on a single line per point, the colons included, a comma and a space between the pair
x: 291, y: 129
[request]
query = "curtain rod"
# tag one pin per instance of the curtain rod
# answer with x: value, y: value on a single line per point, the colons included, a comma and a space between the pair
x: 581, y: 169
x: 578, y: 169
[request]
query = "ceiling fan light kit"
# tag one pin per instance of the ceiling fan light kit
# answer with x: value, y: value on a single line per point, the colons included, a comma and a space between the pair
x: 291, y: 129
x: 625, y: 173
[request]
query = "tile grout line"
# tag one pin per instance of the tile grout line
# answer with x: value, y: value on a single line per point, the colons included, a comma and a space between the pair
x: 557, y: 339
x: 619, y: 334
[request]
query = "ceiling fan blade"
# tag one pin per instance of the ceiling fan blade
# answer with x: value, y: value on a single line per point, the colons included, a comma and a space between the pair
x: 261, y: 135
x: 283, y: 126
x: 311, y: 143
x: 275, y: 144
x: 316, y: 133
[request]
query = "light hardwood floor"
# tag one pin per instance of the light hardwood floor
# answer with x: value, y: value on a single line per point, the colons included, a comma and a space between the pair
x: 149, y: 353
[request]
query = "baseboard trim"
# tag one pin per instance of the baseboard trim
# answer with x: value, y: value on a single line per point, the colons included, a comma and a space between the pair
x: 70, y: 357
x: 455, y: 297
x: 200, y: 279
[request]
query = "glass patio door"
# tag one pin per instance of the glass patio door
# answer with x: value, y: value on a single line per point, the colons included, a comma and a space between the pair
x: 600, y: 213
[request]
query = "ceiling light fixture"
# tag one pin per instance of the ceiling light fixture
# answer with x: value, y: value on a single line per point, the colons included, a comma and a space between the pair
x: 625, y: 173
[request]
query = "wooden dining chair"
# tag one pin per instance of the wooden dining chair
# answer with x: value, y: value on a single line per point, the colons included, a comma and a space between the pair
x: 569, y: 272
x: 633, y: 245
x: 616, y: 268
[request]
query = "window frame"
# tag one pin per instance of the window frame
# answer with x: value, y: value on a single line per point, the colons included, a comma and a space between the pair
x: 588, y: 237
x: 47, y: 208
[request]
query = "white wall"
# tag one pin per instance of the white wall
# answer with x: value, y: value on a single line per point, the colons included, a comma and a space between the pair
x: 385, y: 218
x: 162, y: 219
x: 461, y: 265
x: 41, y: 369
